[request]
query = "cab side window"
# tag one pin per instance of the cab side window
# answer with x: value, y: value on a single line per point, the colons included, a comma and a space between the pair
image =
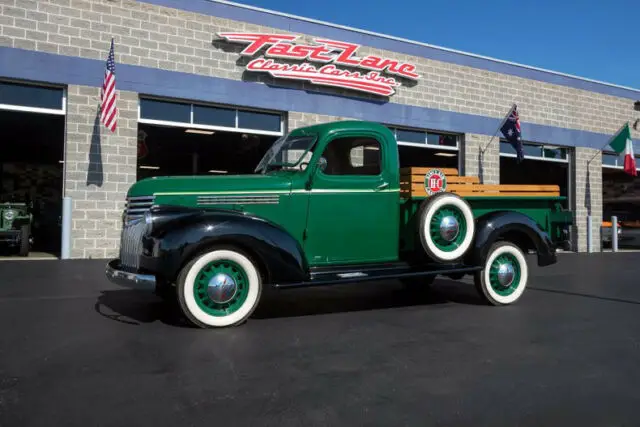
x: 353, y: 156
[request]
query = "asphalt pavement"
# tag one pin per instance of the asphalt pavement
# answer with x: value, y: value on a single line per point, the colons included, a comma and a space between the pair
x: 76, y: 350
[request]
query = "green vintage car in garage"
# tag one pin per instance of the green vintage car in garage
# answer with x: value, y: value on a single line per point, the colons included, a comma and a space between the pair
x: 330, y: 204
x: 15, y: 227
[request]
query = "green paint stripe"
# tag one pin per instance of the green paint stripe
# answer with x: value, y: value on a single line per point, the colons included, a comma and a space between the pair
x: 275, y: 192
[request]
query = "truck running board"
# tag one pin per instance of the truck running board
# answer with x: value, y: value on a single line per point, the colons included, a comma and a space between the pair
x: 352, y: 274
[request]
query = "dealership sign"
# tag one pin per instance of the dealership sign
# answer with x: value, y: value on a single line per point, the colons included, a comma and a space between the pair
x: 328, y: 55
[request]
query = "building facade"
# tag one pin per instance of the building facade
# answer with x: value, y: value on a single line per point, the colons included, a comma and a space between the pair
x: 218, y: 68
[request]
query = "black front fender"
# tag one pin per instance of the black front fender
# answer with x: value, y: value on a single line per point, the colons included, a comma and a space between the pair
x: 516, y: 227
x: 179, y: 234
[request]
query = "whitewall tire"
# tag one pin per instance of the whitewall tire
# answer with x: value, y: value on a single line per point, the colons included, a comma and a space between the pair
x: 446, y: 227
x: 504, y: 277
x: 219, y: 288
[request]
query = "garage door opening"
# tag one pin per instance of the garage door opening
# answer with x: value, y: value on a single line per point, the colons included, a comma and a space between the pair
x: 542, y: 165
x: 170, y: 151
x: 31, y: 175
x: 620, y: 198
x: 181, y: 138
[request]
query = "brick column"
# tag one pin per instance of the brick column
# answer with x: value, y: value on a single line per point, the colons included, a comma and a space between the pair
x: 487, y: 166
x: 100, y: 166
x: 586, y: 197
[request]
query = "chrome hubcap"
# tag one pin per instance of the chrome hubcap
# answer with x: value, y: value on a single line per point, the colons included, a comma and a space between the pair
x: 506, y: 273
x: 449, y: 228
x: 222, y: 288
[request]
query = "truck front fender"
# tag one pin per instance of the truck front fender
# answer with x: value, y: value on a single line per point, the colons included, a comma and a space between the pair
x: 514, y: 227
x: 179, y: 234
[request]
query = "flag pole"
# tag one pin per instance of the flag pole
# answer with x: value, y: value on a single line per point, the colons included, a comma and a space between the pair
x: 504, y: 119
x: 608, y: 142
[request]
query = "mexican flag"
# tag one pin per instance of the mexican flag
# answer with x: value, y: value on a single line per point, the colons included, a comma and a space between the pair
x: 621, y: 142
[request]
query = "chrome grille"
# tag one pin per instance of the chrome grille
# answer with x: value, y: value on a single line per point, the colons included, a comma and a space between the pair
x: 133, y: 228
x: 131, y: 243
x: 135, y: 207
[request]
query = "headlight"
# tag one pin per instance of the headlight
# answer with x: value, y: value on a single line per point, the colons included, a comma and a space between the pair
x: 148, y: 219
x: 9, y: 215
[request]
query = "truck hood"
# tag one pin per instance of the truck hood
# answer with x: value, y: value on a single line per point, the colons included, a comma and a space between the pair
x: 210, y: 184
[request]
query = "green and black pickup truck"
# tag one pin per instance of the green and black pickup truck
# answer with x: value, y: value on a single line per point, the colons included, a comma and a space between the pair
x: 329, y: 204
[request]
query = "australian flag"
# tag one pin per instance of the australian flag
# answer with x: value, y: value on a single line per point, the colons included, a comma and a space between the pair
x: 512, y: 133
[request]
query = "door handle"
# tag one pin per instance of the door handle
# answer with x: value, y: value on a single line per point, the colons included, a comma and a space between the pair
x: 382, y: 186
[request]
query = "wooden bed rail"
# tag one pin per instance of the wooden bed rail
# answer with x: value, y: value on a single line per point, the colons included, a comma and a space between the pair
x: 412, y: 184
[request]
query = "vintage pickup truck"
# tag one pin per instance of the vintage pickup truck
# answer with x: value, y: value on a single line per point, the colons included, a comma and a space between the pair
x: 329, y: 204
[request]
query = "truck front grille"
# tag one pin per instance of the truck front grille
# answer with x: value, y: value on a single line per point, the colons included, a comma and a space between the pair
x: 131, y: 243
x: 133, y: 228
x: 135, y: 207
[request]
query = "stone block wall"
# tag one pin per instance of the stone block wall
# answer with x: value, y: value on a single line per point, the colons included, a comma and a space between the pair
x: 160, y: 37
x: 100, y: 167
x: 586, y: 197
x: 485, y: 165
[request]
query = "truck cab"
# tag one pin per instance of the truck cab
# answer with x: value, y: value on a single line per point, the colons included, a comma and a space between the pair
x: 327, y: 204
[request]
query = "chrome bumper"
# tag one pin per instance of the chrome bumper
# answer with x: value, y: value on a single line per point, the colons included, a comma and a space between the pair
x: 129, y: 280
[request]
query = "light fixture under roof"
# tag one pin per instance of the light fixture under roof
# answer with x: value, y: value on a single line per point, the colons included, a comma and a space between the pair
x: 149, y: 167
x: 200, y: 131
x: 215, y: 171
x: 445, y: 154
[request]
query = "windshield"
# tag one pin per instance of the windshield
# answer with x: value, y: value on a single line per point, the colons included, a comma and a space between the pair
x: 287, y: 152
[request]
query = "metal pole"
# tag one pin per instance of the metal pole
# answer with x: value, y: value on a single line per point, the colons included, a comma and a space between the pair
x: 589, y: 235
x: 67, y: 204
x: 614, y: 233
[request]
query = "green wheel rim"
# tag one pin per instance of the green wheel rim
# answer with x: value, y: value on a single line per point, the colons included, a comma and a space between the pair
x: 434, y: 228
x: 204, y: 277
x: 493, y: 274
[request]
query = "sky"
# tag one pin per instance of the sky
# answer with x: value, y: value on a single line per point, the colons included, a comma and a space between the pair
x: 596, y: 39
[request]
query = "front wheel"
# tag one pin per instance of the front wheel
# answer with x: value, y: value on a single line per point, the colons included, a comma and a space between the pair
x: 504, y: 276
x: 25, y: 234
x: 219, y: 288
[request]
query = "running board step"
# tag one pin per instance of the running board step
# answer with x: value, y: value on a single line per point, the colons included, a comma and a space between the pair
x: 341, y: 276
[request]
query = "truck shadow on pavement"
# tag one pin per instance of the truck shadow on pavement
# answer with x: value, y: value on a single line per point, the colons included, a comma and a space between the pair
x: 361, y: 297
x: 136, y: 308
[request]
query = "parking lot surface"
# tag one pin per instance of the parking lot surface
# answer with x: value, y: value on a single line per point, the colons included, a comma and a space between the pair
x: 76, y: 350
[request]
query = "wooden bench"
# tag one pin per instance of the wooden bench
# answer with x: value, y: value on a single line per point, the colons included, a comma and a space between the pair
x: 412, y: 185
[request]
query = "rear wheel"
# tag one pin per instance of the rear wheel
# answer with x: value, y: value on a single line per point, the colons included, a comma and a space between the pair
x: 504, y: 277
x: 219, y: 288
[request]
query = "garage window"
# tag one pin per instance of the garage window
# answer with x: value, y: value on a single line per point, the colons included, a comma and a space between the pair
x: 30, y: 98
x: 615, y: 161
x: 536, y: 151
x: 424, y: 138
x: 209, y: 117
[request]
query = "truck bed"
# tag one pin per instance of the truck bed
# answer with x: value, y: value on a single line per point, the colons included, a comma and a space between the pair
x: 412, y: 186
x: 542, y: 203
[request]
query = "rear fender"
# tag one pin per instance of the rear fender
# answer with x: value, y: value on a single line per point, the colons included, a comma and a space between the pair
x: 180, y: 236
x: 515, y: 227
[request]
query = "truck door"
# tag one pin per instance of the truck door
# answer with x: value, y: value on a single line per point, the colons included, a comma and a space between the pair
x: 353, y: 206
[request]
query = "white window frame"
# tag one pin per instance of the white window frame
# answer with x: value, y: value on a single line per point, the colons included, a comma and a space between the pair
x: 621, y: 156
x: 210, y: 127
x: 539, y: 158
x: 426, y: 144
x: 59, y: 112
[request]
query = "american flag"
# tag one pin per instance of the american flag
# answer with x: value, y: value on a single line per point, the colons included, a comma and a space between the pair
x: 108, y: 94
x: 511, y: 131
